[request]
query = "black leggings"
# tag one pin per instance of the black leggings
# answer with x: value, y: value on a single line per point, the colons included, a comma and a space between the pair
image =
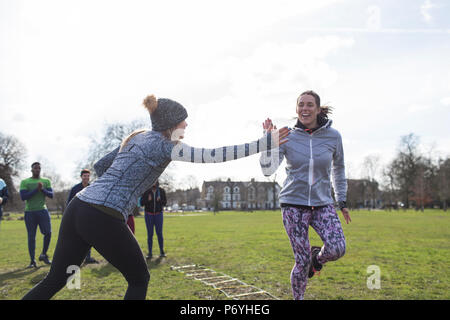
x: 82, y: 227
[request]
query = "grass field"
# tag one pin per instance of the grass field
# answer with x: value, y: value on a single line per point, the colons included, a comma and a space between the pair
x: 412, y: 250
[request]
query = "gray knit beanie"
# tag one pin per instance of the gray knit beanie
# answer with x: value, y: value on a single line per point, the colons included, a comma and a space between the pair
x: 167, y: 115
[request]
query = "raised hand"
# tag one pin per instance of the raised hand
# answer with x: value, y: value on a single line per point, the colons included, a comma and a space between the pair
x: 268, y: 125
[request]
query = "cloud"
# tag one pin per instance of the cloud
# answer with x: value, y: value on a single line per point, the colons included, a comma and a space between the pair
x: 18, y: 117
x: 425, y: 10
x: 445, y: 101
x: 374, y: 20
x: 419, y: 108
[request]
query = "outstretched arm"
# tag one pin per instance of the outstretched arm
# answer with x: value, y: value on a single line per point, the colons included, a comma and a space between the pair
x: 270, y: 141
x: 104, y: 163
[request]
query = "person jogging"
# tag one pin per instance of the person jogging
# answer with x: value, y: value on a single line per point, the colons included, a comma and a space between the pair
x: 313, y: 152
x: 85, y: 177
x: 33, y: 191
x: 154, y: 200
x: 97, y: 215
x: 3, y: 197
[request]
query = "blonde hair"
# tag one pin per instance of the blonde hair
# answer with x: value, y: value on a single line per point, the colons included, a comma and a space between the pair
x: 129, y: 137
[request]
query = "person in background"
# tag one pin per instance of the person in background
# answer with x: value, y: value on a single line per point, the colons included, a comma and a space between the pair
x: 96, y: 216
x: 33, y: 191
x: 154, y: 200
x: 130, y: 220
x: 3, y: 196
x: 85, y: 177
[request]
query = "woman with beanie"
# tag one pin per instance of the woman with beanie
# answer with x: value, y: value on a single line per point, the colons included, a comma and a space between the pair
x: 97, y: 215
x: 313, y: 152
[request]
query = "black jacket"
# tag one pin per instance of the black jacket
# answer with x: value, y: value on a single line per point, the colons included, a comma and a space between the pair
x: 76, y: 188
x: 3, y: 193
x: 151, y: 205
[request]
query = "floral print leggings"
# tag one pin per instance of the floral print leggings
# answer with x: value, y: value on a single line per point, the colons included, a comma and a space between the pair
x: 326, y: 223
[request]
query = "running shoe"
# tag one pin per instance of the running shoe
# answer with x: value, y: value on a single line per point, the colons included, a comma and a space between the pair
x: 44, y: 257
x: 314, y: 266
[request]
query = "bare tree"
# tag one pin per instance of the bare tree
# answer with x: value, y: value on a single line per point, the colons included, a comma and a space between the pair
x: 371, y: 166
x: 12, y: 155
x: 110, y: 138
x: 390, y: 187
x: 443, y: 176
x: 274, y: 184
x: 405, y: 166
x: 60, y: 187
x: 217, y: 197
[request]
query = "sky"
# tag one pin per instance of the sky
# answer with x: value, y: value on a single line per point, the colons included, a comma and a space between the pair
x: 68, y: 68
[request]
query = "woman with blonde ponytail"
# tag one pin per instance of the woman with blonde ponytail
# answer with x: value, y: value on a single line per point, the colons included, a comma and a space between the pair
x: 313, y: 152
x: 96, y: 216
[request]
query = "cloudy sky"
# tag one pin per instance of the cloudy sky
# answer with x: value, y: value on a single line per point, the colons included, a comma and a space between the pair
x: 67, y: 68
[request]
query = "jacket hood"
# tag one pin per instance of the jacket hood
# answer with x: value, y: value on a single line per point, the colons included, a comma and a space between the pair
x: 322, y: 123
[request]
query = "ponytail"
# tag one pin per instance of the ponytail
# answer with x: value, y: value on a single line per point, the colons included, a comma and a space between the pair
x: 130, y: 136
x: 322, y: 117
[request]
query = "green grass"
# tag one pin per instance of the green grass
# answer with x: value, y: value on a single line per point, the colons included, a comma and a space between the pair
x: 411, y: 248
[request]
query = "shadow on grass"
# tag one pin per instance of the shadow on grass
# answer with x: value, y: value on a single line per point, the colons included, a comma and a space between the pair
x: 16, y: 274
x: 106, y: 268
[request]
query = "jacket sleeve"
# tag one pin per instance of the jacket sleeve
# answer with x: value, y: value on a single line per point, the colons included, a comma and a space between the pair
x: 104, y: 163
x: 25, y: 195
x: 270, y: 160
x: 48, y: 192
x: 144, y: 199
x: 4, y: 195
x: 338, y: 172
x: 71, y: 195
x: 183, y: 152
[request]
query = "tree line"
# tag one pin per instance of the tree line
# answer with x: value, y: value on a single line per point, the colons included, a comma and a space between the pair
x: 411, y: 179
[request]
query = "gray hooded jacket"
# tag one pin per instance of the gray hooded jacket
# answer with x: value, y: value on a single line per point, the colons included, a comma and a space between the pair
x: 311, y: 160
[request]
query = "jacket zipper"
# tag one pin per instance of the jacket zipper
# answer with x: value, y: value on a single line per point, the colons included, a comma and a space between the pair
x: 311, y: 170
x: 311, y: 162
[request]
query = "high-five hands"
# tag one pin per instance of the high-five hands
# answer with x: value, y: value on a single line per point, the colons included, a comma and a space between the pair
x: 282, y: 133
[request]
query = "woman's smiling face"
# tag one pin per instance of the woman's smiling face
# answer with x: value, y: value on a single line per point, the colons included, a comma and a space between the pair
x: 307, y: 111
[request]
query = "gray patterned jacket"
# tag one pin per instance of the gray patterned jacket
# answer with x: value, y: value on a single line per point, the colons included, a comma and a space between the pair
x: 125, y: 175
